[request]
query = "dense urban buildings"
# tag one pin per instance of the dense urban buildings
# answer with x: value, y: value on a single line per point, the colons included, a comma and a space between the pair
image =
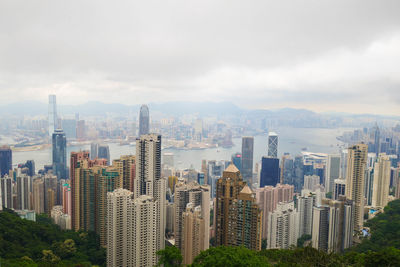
x: 381, y: 183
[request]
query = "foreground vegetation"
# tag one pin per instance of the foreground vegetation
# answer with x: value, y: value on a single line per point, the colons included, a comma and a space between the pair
x: 42, y: 243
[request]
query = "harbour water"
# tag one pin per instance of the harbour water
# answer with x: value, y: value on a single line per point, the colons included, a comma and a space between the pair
x: 291, y: 140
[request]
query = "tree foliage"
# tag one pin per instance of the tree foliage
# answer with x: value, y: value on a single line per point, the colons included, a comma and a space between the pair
x: 42, y: 243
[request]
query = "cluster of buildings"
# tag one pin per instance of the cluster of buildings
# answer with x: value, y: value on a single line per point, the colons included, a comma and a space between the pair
x: 140, y: 203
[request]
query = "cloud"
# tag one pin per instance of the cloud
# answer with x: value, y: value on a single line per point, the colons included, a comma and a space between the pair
x: 322, y: 55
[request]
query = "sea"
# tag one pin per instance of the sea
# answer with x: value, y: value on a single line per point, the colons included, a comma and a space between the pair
x: 291, y: 140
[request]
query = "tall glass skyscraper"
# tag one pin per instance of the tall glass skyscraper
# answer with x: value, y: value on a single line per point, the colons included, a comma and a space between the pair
x: 5, y: 160
x: 59, y: 154
x: 270, y: 173
x: 52, y: 114
x: 144, y: 120
x: 247, y: 158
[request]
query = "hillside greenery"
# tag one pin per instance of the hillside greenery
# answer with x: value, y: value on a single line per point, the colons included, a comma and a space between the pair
x: 42, y: 243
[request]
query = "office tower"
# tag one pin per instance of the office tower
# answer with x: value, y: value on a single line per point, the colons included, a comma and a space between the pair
x: 332, y: 172
x: 6, y: 184
x: 356, y: 164
x: 245, y: 219
x: 237, y: 160
x: 94, y: 150
x: 200, y: 178
x: 298, y: 175
x: 126, y: 169
x: 198, y: 195
x: 60, y: 154
x: 193, y: 233
x: 377, y: 139
x: 340, y: 227
x: 148, y: 179
x: 5, y: 160
x: 268, y: 198
x: 269, y: 171
x: 320, y: 232
x: 247, y: 158
x: 38, y: 195
x: 104, y: 153
x: 80, y: 130
x: 23, y: 192
x: 339, y: 189
x: 30, y: 164
x: 52, y: 115
x: 168, y: 159
x: 131, y: 229
x: 172, y: 181
x: 305, y: 206
x: 311, y: 182
x: 283, y: 226
x: 228, y: 188
x: 381, y: 182
x: 144, y: 120
x: 272, y: 145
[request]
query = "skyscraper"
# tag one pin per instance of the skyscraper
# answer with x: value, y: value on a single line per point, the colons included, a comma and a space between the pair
x: 59, y: 154
x: 228, y: 188
x: 311, y: 182
x: 305, y: 206
x: 52, y: 115
x: 283, y: 226
x: 332, y: 172
x: 6, y: 187
x: 247, y: 158
x: 126, y: 169
x: 356, y: 164
x: 94, y: 148
x: 377, y: 140
x: 148, y: 179
x: 339, y: 188
x: 245, y: 220
x: 269, y: 172
x: 131, y: 229
x: 5, y: 160
x: 272, y: 145
x: 381, y: 182
x: 104, y: 153
x: 144, y: 120
x: 24, y: 184
x: 198, y: 195
x: 193, y: 234
x: 320, y: 232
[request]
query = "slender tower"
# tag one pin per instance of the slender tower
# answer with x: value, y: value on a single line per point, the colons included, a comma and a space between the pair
x: 356, y: 164
x: 52, y: 114
x: 144, y: 120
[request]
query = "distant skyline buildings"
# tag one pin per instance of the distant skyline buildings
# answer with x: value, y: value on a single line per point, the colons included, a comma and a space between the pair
x: 144, y: 120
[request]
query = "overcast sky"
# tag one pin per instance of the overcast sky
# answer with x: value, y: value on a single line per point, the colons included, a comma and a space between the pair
x: 320, y: 55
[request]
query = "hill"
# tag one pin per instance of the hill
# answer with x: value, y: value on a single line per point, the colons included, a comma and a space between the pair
x: 42, y: 243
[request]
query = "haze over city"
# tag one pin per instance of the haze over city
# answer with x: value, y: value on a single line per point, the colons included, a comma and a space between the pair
x: 326, y: 56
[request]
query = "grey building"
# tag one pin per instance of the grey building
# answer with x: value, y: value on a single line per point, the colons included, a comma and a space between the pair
x: 60, y: 154
x: 144, y: 120
x: 247, y: 158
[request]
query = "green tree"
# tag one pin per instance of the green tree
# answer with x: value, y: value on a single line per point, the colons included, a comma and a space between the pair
x: 170, y: 257
x: 229, y: 256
